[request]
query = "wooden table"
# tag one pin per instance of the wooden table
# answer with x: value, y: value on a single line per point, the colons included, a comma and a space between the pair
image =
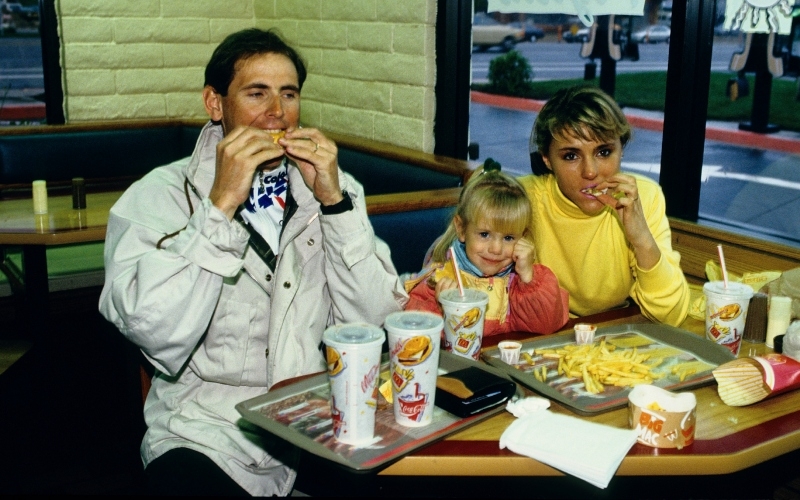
x: 727, y: 439
x: 61, y: 225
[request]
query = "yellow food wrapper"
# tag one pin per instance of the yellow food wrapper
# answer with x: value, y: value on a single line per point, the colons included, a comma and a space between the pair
x: 697, y: 306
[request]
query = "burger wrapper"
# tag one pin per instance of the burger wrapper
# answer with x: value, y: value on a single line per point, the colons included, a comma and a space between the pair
x: 746, y: 381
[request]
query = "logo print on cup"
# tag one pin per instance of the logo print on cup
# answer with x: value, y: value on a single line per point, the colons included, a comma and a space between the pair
x: 335, y: 361
x: 413, y: 405
x: 464, y: 342
x: 401, y: 377
x: 415, y: 350
x: 467, y: 320
x: 337, y: 417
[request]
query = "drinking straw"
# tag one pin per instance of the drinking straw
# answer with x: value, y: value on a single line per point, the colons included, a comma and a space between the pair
x: 722, y: 264
x: 458, y: 271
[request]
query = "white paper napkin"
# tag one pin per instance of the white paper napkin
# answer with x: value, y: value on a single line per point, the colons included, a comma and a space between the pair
x: 586, y: 450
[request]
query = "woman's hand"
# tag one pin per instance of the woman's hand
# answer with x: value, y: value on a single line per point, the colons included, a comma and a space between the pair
x: 623, y: 195
x: 524, y: 257
x: 316, y: 156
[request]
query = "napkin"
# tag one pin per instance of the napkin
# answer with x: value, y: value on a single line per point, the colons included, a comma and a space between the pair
x: 586, y: 450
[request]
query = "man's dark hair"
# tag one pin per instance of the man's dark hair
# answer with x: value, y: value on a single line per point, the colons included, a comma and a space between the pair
x: 242, y: 45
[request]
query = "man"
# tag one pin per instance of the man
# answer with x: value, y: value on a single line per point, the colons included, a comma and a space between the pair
x: 192, y: 280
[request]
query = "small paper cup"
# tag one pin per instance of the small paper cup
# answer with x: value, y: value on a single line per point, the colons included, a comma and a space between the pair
x: 509, y: 351
x: 584, y: 333
x: 661, y: 418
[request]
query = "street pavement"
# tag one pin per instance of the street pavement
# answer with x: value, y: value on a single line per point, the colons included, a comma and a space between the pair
x: 751, y: 182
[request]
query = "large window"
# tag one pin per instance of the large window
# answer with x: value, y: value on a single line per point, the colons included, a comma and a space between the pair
x: 21, y: 76
x: 676, y: 85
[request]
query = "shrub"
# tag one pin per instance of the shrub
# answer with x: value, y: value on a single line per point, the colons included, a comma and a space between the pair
x: 510, y: 74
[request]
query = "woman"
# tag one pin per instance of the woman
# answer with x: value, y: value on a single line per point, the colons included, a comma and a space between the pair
x: 605, y: 234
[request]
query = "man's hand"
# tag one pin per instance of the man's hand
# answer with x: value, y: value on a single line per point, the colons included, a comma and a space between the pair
x: 239, y: 154
x: 316, y: 157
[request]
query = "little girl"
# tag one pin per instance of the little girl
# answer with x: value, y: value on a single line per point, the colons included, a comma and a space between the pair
x: 489, y: 234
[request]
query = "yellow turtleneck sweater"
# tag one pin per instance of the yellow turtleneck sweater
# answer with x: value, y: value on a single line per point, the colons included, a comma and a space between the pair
x: 593, y: 261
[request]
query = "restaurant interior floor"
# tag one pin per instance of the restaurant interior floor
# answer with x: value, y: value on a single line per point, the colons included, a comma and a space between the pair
x: 70, y: 418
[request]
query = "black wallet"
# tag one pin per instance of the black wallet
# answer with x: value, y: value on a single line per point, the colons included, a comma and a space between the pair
x: 471, y: 390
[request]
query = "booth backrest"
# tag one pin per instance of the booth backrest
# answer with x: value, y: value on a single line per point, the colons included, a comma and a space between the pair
x: 698, y: 244
x: 110, y: 156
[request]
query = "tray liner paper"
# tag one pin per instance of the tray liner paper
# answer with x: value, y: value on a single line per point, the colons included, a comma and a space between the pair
x: 471, y: 390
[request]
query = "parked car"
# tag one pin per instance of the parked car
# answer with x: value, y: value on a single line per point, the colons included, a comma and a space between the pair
x: 487, y: 32
x: 652, y: 34
x: 532, y: 32
x: 582, y: 35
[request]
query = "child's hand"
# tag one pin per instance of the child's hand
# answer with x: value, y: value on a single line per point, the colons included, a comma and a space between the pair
x: 445, y: 284
x: 524, y: 258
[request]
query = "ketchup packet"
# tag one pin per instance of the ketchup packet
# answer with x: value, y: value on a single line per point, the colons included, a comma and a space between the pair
x: 746, y: 381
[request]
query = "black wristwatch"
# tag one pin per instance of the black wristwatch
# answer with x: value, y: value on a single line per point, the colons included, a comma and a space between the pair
x: 343, y: 206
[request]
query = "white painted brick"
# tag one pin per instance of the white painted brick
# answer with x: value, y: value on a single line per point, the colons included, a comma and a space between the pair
x: 85, y: 29
x: 92, y: 56
x: 375, y: 96
x: 220, y: 28
x: 369, y: 37
x: 406, y: 132
x: 185, y: 105
x: 323, y: 34
x: 346, y: 120
x: 242, y: 9
x: 106, y: 8
x: 161, y: 30
x: 286, y: 29
x: 300, y: 9
x: 141, y: 81
x: 349, y: 10
x: 414, y: 39
x: 184, y: 55
x: 116, y: 107
x: 324, y: 88
x: 310, y: 114
x: 264, y: 9
x: 413, y: 102
x: 90, y: 82
x: 407, y: 11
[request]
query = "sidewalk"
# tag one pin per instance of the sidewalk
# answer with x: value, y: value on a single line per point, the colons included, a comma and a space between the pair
x: 20, y: 105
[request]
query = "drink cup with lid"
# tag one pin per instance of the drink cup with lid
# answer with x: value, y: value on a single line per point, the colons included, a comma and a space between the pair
x: 414, y: 338
x: 726, y: 312
x: 463, y: 321
x: 353, y: 352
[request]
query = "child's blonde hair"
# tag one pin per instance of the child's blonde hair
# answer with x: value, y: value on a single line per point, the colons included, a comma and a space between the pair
x: 494, y: 197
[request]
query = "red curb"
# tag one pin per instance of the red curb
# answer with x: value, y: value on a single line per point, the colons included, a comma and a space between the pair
x: 736, y: 137
x: 33, y: 111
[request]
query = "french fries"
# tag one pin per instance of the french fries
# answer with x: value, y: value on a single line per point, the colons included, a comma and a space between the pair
x: 601, y: 364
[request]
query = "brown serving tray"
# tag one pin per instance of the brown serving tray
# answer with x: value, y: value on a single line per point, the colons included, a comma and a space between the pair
x: 570, y: 391
x: 300, y: 413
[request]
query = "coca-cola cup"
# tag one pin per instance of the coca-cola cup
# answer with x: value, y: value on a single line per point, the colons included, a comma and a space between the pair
x: 353, y: 352
x: 414, y: 338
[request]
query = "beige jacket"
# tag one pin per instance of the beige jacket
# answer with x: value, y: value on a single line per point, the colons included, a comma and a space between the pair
x: 216, y: 323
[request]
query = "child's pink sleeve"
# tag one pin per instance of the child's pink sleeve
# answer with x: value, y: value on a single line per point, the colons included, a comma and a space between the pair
x: 540, y: 306
x: 423, y: 298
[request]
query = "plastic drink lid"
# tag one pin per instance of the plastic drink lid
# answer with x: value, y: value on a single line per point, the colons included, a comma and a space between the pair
x: 470, y: 295
x: 734, y: 288
x: 419, y: 322
x: 353, y: 333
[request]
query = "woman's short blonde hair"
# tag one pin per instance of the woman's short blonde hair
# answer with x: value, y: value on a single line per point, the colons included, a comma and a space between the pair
x: 493, y: 197
x: 585, y: 112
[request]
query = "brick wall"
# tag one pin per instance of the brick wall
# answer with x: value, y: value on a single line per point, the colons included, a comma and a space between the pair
x: 371, y: 62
